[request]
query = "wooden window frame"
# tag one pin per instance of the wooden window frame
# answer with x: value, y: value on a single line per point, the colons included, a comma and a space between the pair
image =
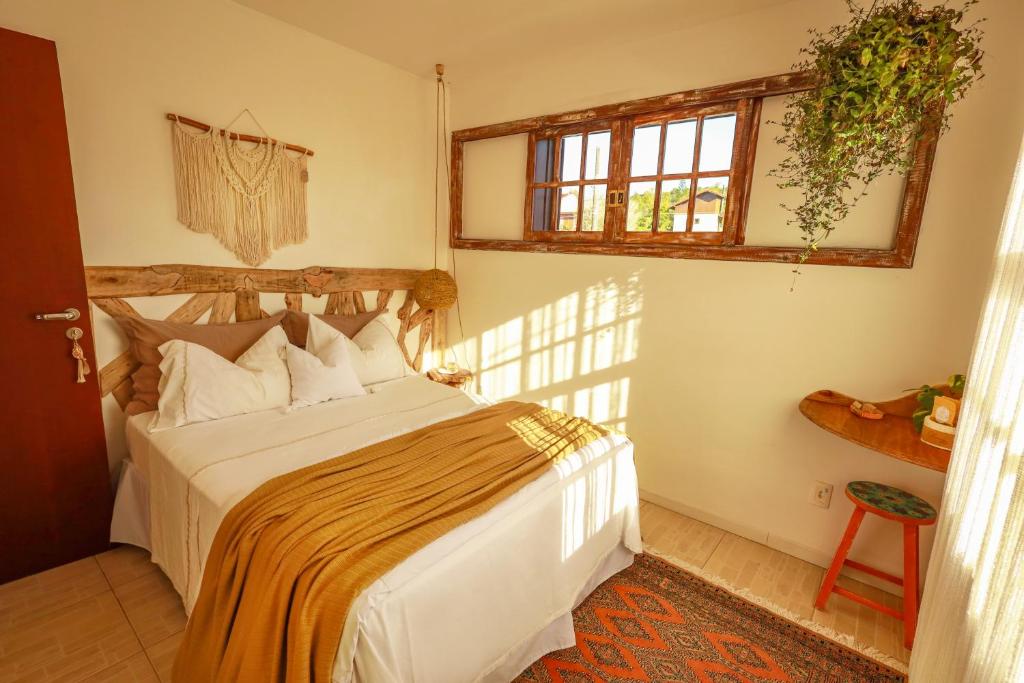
x: 748, y: 114
x: 557, y: 133
x: 731, y: 247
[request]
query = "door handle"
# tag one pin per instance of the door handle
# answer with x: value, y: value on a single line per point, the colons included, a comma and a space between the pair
x: 67, y: 314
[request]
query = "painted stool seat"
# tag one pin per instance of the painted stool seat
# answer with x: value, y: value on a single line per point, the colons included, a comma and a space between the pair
x: 893, y: 504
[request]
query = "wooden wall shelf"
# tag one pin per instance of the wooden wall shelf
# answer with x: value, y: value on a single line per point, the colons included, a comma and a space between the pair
x: 894, y: 434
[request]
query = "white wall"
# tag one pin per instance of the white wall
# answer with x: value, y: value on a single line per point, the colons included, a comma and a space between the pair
x: 704, y: 362
x: 125, y: 63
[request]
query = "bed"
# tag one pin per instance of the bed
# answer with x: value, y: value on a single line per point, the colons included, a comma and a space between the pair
x: 480, y: 603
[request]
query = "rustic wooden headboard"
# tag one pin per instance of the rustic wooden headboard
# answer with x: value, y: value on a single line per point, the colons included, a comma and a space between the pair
x: 227, y: 292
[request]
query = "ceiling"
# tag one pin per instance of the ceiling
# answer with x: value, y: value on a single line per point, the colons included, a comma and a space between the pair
x: 467, y: 35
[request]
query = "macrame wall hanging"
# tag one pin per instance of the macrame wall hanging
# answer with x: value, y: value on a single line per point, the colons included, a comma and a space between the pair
x: 249, y: 192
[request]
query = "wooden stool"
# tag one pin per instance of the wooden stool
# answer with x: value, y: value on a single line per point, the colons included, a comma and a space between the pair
x: 899, y: 506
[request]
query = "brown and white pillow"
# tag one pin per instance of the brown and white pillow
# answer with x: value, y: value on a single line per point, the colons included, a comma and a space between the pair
x: 296, y: 324
x: 199, y: 385
x: 374, y: 353
x: 228, y: 340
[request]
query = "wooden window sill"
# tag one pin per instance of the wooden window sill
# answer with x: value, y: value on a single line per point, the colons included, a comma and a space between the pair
x: 870, y: 258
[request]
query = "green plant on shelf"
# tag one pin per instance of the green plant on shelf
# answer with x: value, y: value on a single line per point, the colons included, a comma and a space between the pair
x: 926, y: 398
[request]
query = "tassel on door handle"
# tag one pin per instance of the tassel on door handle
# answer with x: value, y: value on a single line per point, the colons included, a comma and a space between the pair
x: 74, y: 334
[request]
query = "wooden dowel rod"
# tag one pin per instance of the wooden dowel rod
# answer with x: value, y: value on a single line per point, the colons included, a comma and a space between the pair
x: 234, y: 136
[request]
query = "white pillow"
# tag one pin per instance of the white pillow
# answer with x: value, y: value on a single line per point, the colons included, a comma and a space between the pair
x: 374, y: 353
x: 198, y: 384
x: 324, y: 378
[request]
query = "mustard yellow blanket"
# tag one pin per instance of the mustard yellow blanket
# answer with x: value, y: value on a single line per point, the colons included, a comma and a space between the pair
x: 290, y: 558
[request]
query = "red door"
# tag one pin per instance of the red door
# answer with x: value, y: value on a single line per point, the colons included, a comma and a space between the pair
x: 55, y: 498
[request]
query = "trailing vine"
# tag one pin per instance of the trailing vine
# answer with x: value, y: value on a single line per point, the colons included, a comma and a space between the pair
x: 882, y: 78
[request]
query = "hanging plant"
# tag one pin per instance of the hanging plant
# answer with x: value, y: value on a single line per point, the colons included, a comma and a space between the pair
x: 882, y: 78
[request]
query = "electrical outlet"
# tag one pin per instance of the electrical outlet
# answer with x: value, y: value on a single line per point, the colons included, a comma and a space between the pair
x: 821, y: 494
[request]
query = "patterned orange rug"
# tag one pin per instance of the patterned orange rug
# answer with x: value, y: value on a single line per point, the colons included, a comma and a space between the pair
x: 656, y: 622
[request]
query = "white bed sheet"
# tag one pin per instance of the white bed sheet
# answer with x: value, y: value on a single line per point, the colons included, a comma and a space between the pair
x: 479, y: 603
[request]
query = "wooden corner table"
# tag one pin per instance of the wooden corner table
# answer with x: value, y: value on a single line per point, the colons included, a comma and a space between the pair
x: 894, y: 434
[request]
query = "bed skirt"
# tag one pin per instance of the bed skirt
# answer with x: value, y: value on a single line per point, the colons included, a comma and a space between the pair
x: 130, y: 522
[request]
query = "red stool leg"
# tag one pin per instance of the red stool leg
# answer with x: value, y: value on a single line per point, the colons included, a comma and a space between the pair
x: 837, y: 562
x: 910, y: 580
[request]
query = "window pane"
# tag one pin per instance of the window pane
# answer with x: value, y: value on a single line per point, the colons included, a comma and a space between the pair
x: 544, y: 161
x: 709, y: 204
x: 598, y: 149
x: 572, y: 149
x: 542, y: 198
x: 674, y: 205
x: 568, y: 206
x: 593, y: 207
x: 716, y: 143
x: 646, y: 141
x: 680, y: 139
x: 640, y: 213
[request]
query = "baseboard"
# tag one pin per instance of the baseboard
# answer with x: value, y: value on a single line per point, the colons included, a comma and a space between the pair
x: 764, y: 537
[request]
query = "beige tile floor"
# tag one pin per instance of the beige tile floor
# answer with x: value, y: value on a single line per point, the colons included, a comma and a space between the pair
x: 115, y: 617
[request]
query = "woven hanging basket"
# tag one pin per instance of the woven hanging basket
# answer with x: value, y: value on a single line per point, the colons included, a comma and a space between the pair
x: 435, y: 289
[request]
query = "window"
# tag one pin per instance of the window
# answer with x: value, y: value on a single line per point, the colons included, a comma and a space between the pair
x: 568, y: 182
x: 674, y: 186
x: 664, y: 176
x: 679, y: 172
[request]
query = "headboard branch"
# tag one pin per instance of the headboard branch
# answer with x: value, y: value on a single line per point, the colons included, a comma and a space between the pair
x: 225, y: 290
x: 129, y: 281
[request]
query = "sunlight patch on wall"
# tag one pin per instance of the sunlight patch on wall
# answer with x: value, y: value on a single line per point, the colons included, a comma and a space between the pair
x: 501, y: 352
x: 610, y: 324
x: 606, y: 403
x: 552, y: 342
x: 571, y: 354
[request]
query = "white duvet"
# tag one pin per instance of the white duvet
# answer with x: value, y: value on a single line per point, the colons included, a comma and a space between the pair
x: 482, y: 602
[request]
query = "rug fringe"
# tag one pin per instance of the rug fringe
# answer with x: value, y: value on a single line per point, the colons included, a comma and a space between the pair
x: 746, y: 594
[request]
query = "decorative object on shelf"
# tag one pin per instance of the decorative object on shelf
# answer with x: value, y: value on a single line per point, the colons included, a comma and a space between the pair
x: 866, y: 410
x: 436, y: 289
x: 945, y: 410
x: 253, y: 200
x: 883, y: 80
x: 926, y: 395
x: 451, y: 375
x: 937, y: 412
x: 937, y: 434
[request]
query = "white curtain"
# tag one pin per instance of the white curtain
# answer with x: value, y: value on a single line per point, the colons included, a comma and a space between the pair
x: 972, y: 620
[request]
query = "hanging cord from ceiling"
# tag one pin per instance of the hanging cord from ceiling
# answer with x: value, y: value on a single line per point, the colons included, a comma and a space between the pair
x: 440, y: 112
x: 436, y: 289
x: 441, y: 149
